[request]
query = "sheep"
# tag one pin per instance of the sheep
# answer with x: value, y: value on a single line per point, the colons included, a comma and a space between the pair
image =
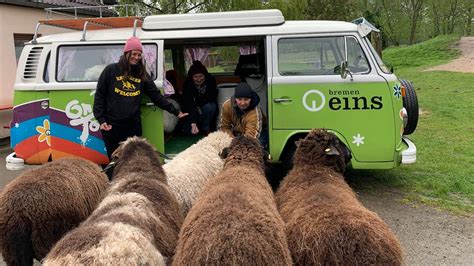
x: 189, y: 171
x: 41, y: 205
x: 170, y: 120
x: 325, y: 223
x: 235, y: 220
x: 138, y: 221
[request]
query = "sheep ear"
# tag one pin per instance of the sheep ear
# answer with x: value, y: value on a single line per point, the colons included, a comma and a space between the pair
x: 298, y: 142
x: 331, y: 150
x: 115, y: 154
x: 224, y: 153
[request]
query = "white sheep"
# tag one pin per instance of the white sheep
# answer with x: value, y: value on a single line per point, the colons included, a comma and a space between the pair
x: 170, y: 120
x: 190, y: 170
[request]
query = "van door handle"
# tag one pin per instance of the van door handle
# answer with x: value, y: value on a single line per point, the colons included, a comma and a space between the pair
x: 282, y: 100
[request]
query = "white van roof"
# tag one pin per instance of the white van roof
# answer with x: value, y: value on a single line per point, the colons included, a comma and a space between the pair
x: 264, y: 22
x: 214, y: 20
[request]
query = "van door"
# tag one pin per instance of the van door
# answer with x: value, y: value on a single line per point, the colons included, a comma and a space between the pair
x: 307, y: 91
x: 77, y: 67
x: 152, y: 116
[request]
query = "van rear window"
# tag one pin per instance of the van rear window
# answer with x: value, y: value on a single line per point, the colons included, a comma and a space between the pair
x: 319, y: 56
x: 78, y: 63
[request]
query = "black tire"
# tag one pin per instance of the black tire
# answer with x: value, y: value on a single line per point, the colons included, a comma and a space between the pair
x: 410, y: 102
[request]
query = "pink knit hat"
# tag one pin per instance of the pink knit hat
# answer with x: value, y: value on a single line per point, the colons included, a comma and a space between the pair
x: 133, y: 43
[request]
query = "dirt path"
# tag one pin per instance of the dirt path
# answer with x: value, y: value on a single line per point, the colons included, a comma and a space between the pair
x: 465, y: 63
x: 428, y: 236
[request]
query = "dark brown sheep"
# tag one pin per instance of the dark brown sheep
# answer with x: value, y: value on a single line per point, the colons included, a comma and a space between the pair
x: 138, y: 221
x: 41, y: 205
x: 235, y: 220
x: 325, y: 223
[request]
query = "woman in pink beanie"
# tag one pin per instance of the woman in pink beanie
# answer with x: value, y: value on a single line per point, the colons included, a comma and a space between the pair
x: 119, y: 93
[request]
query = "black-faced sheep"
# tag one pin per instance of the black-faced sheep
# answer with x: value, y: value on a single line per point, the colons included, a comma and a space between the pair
x: 325, y: 223
x: 41, y: 205
x: 235, y: 220
x: 138, y: 221
x: 190, y: 170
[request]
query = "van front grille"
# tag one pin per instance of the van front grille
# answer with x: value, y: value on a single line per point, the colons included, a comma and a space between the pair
x: 31, y: 66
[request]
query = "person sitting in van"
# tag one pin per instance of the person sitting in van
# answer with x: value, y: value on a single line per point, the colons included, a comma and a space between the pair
x: 118, y: 96
x: 199, y: 99
x: 241, y: 115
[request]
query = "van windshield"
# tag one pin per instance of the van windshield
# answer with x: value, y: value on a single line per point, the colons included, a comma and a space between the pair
x: 379, y: 60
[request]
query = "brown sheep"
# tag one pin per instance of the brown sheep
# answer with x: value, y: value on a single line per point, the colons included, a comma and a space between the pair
x: 41, y: 205
x: 325, y: 223
x: 138, y: 221
x: 235, y: 220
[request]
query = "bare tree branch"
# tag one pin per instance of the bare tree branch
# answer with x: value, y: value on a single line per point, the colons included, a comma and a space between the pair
x: 195, y: 6
x: 153, y: 7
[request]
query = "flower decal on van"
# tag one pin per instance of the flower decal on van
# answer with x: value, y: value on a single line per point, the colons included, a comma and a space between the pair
x: 45, y: 132
x: 397, y: 91
x: 358, y: 140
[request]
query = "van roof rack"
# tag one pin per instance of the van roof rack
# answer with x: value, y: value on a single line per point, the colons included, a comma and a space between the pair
x: 107, y: 19
x: 85, y: 24
x: 267, y: 17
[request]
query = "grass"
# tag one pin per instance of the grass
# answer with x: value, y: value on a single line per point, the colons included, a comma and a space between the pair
x: 443, y: 175
x: 429, y: 53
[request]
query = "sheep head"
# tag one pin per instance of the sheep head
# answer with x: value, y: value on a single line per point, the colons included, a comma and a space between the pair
x: 136, y: 154
x: 245, y: 150
x: 322, y: 148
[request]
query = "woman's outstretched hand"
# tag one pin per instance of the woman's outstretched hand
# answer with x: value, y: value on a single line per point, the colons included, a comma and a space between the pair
x: 181, y: 114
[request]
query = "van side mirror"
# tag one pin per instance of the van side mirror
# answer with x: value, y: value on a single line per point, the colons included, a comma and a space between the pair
x: 345, y: 70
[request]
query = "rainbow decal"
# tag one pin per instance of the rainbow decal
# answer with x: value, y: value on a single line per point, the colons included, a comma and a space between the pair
x: 40, y: 133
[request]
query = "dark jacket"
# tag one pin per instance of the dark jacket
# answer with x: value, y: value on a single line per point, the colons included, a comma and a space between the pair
x: 118, y: 100
x: 192, y: 98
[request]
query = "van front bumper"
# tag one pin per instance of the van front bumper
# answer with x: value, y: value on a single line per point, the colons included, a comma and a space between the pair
x: 409, y: 154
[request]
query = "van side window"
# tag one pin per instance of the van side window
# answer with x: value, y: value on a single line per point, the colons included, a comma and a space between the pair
x: 217, y: 59
x: 319, y: 56
x: 86, y: 62
x: 47, y: 67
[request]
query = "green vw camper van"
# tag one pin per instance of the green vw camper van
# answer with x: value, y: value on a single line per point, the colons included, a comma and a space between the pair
x: 308, y: 74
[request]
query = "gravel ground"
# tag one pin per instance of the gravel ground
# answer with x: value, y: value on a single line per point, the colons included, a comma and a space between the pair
x: 465, y: 63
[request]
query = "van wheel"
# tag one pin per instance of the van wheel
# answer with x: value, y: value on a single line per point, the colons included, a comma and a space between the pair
x: 410, y: 102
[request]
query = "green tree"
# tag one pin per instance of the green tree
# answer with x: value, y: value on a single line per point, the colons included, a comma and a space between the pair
x: 413, y: 9
x: 331, y: 9
x: 394, y: 20
x: 291, y: 9
x: 151, y: 7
